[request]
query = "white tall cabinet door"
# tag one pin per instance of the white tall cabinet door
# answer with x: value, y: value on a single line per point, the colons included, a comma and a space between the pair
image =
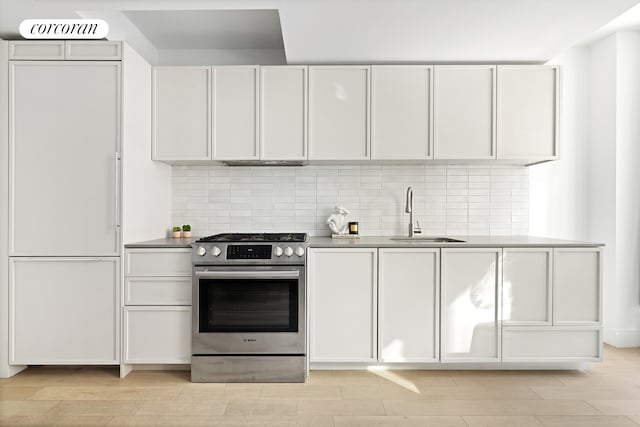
x: 283, y: 113
x: 577, y: 284
x: 339, y: 113
x: 342, y: 304
x: 528, y: 112
x: 64, y: 138
x: 401, y: 112
x: 64, y: 310
x: 181, y: 105
x: 470, y: 301
x: 526, y: 286
x: 464, y: 105
x: 235, y: 113
x: 408, y: 317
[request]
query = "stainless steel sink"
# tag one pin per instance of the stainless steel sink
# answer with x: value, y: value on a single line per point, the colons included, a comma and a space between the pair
x: 428, y: 239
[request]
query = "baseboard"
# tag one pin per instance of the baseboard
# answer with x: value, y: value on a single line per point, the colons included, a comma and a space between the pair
x: 622, y: 338
x: 11, y: 370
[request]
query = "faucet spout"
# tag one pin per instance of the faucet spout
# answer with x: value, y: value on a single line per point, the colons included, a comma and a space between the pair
x: 409, y: 209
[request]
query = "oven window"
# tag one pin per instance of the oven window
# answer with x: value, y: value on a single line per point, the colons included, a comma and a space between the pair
x: 236, y: 305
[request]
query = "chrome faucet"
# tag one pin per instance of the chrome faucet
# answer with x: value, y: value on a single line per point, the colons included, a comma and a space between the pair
x: 409, y: 209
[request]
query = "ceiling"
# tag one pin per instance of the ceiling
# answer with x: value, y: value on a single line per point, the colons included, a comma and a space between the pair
x: 338, y: 31
x: 209, y: 29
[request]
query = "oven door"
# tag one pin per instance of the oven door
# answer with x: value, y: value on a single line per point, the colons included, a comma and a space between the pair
x: 248, y: 310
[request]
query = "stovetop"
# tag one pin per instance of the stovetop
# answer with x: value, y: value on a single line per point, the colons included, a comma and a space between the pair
x: 256, y: 237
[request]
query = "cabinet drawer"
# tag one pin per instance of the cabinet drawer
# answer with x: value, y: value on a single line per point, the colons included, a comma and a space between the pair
x: 93, y: 50
x: 157, y: 335
x: 551, y: 344
x: 157, y: 290
x: 158, y: 262
x: 27, y: 50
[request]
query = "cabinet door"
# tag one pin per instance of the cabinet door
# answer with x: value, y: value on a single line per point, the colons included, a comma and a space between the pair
x: 551, y: 344
x: 470, y: 301
x: 36, y: 49
x: 464, y: 109
x: 339, y: 113
x: 93, y: 50
x: 528, y: 113
x: 401, y: 112
x: 64, y: 311
x: 577, y: 286
x: 64, y: 169
x: 408, y: 305
x: 283, y: 113
x: 342, y: 301
x: 181, y: 105
x: 157, y: 335
x: 157, y: 262
x: 526, y: 286
x: 235, y: 113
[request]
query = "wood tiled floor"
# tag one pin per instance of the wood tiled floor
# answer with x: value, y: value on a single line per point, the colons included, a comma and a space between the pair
x: 607, y: 395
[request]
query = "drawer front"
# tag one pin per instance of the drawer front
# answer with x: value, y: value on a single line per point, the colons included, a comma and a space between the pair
x: 158, y: 262
x: 93, y: 50
x: 29, y: 50
x: 551, y: 344
x: 157, y: 290
x: 157, y: 335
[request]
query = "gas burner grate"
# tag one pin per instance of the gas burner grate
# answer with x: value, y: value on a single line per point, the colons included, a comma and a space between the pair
x: 255, y: 237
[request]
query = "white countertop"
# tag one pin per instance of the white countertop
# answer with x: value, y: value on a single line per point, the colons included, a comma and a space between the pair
x: 386, y: 242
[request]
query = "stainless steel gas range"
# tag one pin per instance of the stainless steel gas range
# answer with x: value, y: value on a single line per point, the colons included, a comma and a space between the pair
x: 249, y: 293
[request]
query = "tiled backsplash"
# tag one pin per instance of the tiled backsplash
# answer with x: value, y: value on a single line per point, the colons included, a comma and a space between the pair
x: 453, y: 200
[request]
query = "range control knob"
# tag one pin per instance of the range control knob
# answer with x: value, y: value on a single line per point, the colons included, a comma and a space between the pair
x: 299, y: 251
x: 277, y: 251
x: 288, y: 251
x: 202, y: 251
x: 216, y: 251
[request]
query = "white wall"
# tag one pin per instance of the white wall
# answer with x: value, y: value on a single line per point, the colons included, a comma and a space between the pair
x: 146, y: 184
x: 454, y: 200
x: 221, y: 57
x: 593, y: 192
x: 627, y: 332
x: 602, y: 169
x: 558, y: 192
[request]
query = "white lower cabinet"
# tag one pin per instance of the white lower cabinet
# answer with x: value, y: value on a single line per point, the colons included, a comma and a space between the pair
x: 408, y: 315
x: 526, y: 286
x: 551, y: 344
x: 157, y: 334
x: 577, y: 286
x: 470, y: 315
x: 342, y: 299
x: 455, y: 305
x: 64, y: 311
x: 157, y: 313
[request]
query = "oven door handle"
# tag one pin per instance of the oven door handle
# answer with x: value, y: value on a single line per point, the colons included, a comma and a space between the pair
x: 289, y: 274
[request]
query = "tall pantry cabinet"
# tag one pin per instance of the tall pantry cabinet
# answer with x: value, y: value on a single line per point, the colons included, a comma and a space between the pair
x: 64, y: 209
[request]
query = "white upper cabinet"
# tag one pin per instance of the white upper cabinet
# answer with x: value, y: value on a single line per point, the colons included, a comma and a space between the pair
x: 526, y: 286
x: 339, y: 113
x: 36, y: 49
x: 409, y: 283
x: 470, y: 301
x: 342, y: 304
x: 401, y: 112
x: 283, y: 113
x: 181, y: 105
x: 235, y: 113
x: 577, y: 286
x: 64, y: 167
x: 528, y: 112
x: 464, y: 105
